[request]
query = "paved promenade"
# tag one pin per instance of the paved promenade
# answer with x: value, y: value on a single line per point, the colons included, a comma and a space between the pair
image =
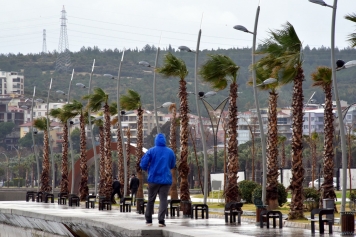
x: 20, y: 218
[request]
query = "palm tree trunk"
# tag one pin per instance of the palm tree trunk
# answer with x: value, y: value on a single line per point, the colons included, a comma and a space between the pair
x: 296, y: 186
x: 283, y: 154
x: 314, y: 162
x: 128, y: 155
x: 183, y: 167
x: 102, y: 172
x: 64, y: 180
x: 139, y: 155
x: 45, y: 184
x: 108, y: 160
x: 120, y: 156
x: 272, y: 153
x: 173, y: 144
x: 327, y: 188
x: 83, y: 187
x: 232, y: 191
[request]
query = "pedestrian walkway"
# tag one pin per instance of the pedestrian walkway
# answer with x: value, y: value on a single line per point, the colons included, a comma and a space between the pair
x: 18, y: 217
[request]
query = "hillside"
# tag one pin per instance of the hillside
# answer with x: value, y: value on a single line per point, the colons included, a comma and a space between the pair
x: 38, y: 69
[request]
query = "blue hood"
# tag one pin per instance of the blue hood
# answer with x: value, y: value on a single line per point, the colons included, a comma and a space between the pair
x: 160, y: 140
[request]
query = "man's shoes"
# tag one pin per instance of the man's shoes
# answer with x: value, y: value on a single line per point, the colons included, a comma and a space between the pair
x: 148, y: 224
x: 162, y: 225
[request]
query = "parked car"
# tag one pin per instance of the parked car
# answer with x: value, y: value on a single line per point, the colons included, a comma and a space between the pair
x: 316, y: 183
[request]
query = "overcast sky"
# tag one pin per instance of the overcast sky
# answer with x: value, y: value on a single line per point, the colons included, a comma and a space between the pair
x: 135, y: 23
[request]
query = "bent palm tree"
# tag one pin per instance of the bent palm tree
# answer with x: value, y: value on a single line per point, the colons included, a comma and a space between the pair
x: 352, y: 37
x: 285, y: 49
x: 174, y: 67
x: 97, y: 100
x: 132, y: 101
x: 41, y: 124
x: 63, y: 116
x: 76, y: 108
x: 217, y: 71
x: 322, y: 78
x: 264, y: 70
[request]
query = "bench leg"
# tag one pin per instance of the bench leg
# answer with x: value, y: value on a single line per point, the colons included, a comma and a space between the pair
x: 321, y: 227
x: 312, y: 226
x: 239, y: 218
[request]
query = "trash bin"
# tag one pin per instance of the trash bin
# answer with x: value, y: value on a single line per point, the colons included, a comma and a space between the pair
x: 329, y: 204
x: 347, y: 223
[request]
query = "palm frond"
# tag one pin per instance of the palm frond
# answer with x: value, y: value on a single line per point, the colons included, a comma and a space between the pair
x: 173, y: 67
x: 113, y: 108
x: 97, y: 99
x: 73, y: 109
x: 40, y: 123
x: 322, y: 76
x: 130, y: 101
x: 217, y: 70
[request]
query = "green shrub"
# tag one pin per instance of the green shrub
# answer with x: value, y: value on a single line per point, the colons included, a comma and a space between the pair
x: 246, y: 188
x: 311, y: 198
x: 352, y: 195
x: 282, y: 194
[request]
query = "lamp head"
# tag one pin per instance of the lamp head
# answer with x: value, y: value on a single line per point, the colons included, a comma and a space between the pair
x: 80, y: 85
x: 109, y: 75
x: 184, y: 48
x: 241, y: 28
x: 201, y: 94
x: 320, y: 2
x: 60, y: 92
x: 71, y: 122
x: 144, y: 63
x: 340, y: 64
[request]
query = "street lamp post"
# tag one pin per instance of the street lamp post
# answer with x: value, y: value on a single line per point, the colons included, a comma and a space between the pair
x: 337, y: 99
x: 185, y: 48
x: 49, y: 136
x: 119, y: 123
x: 260, y: 122
x: 146, y: 64
x: 7, y: 170
x: 214, y: 116
x: 92, y: 134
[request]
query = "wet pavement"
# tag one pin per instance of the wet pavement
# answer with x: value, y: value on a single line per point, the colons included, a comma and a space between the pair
x: 93, y: 222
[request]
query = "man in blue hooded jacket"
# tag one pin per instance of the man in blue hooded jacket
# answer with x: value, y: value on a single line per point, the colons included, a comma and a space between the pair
x: 158, y: 161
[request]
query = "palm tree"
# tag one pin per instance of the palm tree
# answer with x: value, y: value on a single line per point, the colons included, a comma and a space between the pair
x: 96, y: 101
x: 174, y: 67
x: 322, y: 78
x: 132, y: 101
x: 41, y: 124
x: 63, y: 116
x: 76, y: 108
x: 217, y: 71
x: 283, y: 52
x: 352, y: 37
x: 263, y: 73
x: 173, y: 144
x: 282, y: 140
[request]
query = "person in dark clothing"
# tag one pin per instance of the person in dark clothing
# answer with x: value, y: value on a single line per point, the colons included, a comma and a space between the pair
x: 134, y: 184
x: 116, y: 189
x: 158, y: 162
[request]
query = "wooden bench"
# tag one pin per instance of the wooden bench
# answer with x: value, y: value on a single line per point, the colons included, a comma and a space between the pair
x: 232, y: 210
x: 73, y: 200
x: 62, y: 198
x: 199, y: 207
x: 90, y: 201
x: 39, y: 197
x: 271, y: 215
x: 125, y: 204
x: 143, y: 205
x: 104, y: 203
x: 30, y: 194
x: 173, y: 206
x: 322, y: 219
x: 48, y: 196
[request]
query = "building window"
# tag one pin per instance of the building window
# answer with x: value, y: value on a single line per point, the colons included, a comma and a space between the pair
x: 306, y: 127
x: 348, y: 116
x: 306, y: 119
x: 39, y: 113
x: 312, y: 119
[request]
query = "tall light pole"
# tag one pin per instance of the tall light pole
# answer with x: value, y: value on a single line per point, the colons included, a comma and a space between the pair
x: 337, y: 99
x: 260, y: 122
x: 146, y: 64
x: 7, y: 170
x: 206, y: 173
x: 49, y: 136
x: 69, y: 135
x: 92, y: 135
x: 119, y: 122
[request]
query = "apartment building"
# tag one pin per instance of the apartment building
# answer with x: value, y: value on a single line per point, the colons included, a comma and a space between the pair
x: 11, y: 84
